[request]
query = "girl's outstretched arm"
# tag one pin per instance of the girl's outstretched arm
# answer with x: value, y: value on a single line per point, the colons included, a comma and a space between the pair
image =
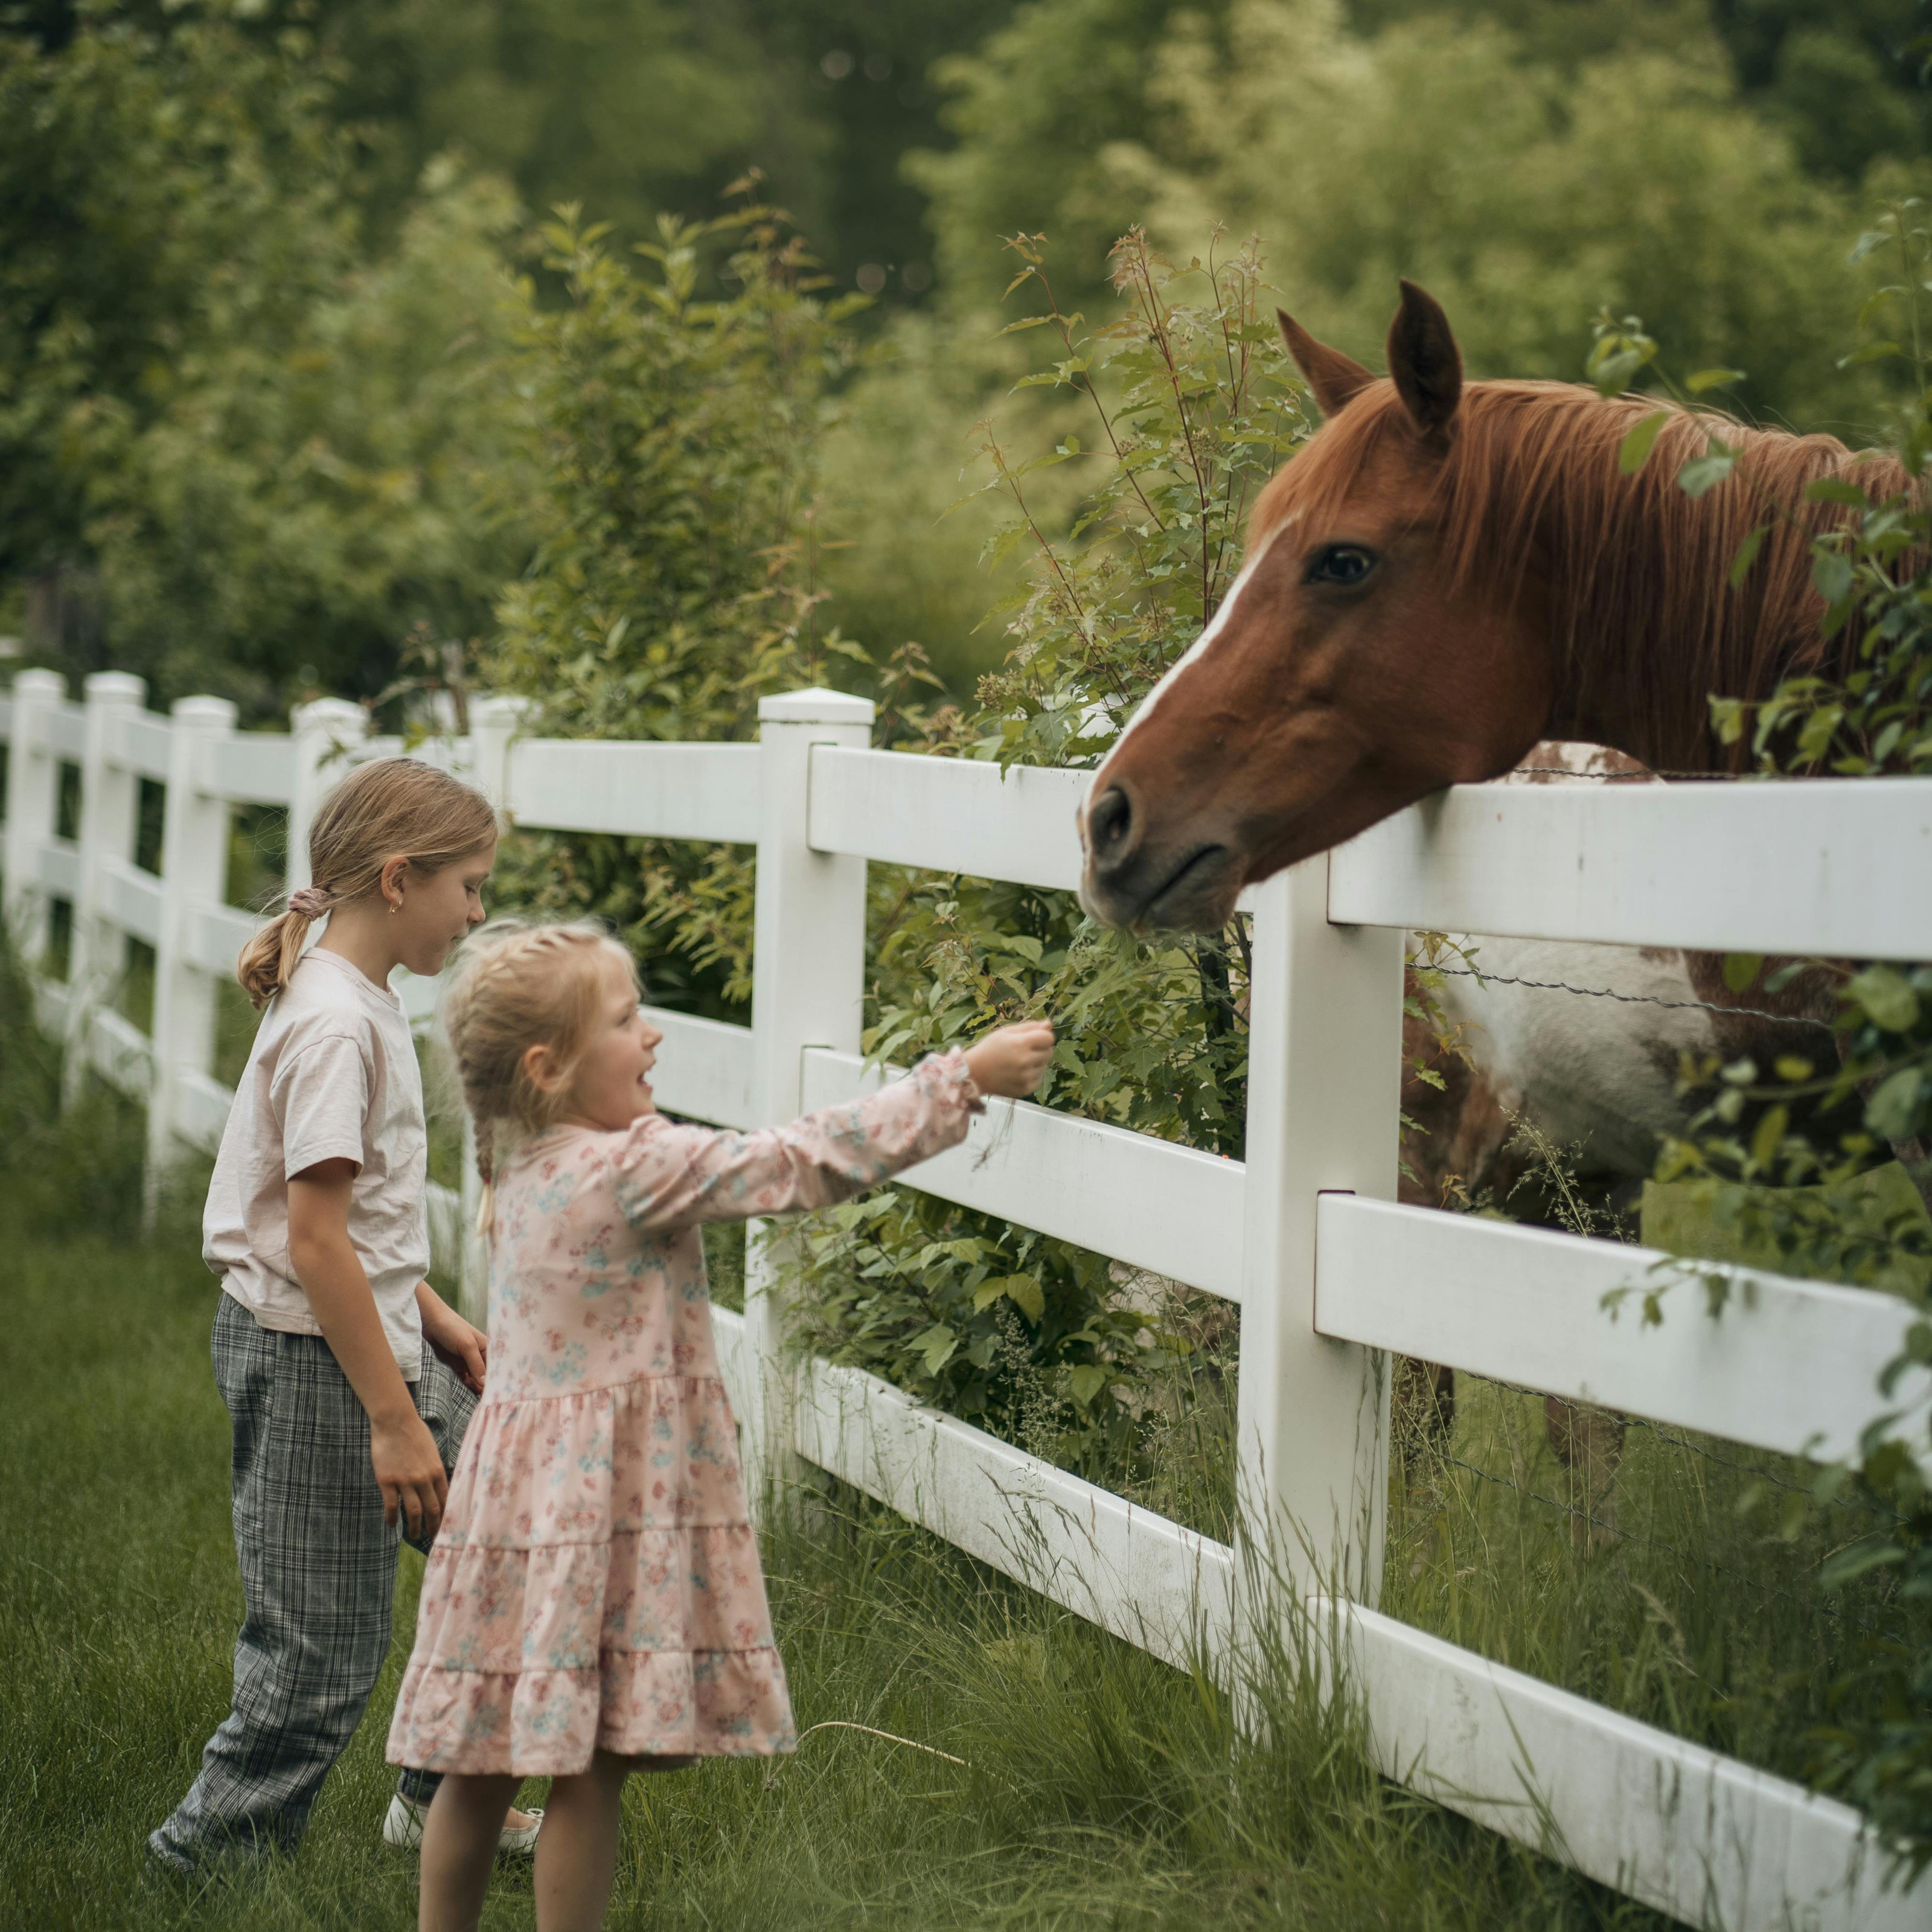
x: 673, y: 1177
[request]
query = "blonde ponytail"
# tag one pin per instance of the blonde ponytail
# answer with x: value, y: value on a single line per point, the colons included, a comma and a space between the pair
x: 268, y: 959
x: 388, y: 809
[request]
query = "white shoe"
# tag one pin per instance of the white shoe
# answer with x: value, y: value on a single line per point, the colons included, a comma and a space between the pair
x: 404, y: 1828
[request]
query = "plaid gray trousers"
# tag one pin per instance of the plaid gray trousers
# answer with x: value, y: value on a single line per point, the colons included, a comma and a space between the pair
x: 318, y: 1584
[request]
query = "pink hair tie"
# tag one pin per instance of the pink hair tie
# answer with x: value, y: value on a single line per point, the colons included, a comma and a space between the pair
x: 310, y: 902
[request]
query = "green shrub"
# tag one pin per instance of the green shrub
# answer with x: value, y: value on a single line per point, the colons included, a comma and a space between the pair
x: 1187, y: 403
x: 1828, y: 1205
x: 241, y: 445
x: 673, y: 437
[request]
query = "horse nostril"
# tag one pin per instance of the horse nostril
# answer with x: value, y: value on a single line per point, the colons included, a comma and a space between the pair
x: 1110, y: 823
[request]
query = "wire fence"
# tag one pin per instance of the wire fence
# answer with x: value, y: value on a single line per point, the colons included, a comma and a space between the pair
x: 1483, y: 979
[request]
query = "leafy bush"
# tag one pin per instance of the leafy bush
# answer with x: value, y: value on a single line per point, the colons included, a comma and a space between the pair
x: 1188, y: 404
x: 673, y: 437
x: 1806, y: 1201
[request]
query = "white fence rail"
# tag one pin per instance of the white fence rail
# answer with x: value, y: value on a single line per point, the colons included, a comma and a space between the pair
x: 1326, y: 1269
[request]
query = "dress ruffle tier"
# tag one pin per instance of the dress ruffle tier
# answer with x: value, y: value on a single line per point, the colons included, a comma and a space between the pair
x: 594, y: 1584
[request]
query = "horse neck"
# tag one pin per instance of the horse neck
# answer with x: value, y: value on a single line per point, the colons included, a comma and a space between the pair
x: 1645, y: 626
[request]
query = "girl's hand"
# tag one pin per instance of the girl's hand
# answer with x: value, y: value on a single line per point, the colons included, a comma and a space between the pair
x: 465, y: 1348
x: 1012, y: 1060
x: 409, y: 1470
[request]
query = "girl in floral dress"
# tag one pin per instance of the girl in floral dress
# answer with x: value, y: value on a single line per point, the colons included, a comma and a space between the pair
x: 594, y: 1604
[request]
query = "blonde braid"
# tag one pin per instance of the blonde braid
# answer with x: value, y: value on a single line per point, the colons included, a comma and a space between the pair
x: 515, y: 985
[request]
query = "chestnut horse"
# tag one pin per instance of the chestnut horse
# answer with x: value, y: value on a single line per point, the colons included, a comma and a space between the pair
x: 1448, y: 574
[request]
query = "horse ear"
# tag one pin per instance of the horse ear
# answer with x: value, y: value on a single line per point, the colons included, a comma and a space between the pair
x: 1333, y: 377
x: 1424, y: 361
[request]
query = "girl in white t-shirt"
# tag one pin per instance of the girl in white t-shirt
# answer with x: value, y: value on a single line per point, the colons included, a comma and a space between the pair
x: 348, y: 1379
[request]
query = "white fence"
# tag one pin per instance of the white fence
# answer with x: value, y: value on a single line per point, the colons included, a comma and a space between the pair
x: 1305, y: 1236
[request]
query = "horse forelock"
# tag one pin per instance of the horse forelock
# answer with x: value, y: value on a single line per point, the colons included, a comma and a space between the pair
x: 1634, y: 572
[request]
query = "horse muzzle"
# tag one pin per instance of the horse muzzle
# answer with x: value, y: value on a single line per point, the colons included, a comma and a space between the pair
x: 1132, y: 880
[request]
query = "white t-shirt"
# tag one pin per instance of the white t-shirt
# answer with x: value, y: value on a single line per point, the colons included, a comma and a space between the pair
x: 333, y: 1075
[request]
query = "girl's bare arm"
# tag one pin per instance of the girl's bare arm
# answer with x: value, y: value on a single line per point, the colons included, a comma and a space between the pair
x: 408, y: 1464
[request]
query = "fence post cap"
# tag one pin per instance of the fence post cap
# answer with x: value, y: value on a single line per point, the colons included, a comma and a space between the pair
x: 116, y: 687
x: 499, y: 712
x: 205, y: 714
x: 327, y: 714
x: 817, y: 706
x: 41, y: 684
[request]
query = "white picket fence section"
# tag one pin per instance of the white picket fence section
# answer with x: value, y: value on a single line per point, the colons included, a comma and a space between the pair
x: 1329, y: 1274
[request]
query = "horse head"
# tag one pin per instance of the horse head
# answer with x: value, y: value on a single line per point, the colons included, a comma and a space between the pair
x: 1355, y: 665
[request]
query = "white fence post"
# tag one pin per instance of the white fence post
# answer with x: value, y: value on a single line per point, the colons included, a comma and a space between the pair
x: 110, y: 796
x: 493, y: 724
x: 194, y: 872
x: 33, y: 798
x: 324, y: 732
x: 1323, y: 1088
x: 807, y: 989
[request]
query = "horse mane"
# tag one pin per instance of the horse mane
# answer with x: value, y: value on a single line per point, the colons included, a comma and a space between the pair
x: 1645, y: 622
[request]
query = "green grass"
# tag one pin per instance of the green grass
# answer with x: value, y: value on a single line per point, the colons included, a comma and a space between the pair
x: 1103, y: 1789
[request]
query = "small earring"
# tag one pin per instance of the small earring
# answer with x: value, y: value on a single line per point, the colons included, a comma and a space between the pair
x: 395, y: 905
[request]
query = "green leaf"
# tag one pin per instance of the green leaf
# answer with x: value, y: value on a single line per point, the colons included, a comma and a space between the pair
x: 1873, y: 352
x: 1702, y: 474
x: 1830, y: 489
x: 1832, y: 575
x: 1027, y: 1295
x: 1021, y: 1290
x: 1712, y: 379
x: 936, y: 1346
x: 1741, y: 969
x: 1847, y: 1565
x: 1886, y: 995
x: 1634, y: 451
x: 1770, y: 1136
x: 1087, y: 1381
x: 1891, y: 1111
x: 1746, y: 556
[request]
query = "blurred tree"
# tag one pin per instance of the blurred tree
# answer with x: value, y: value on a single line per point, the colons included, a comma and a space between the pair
x: 868, y: 67
x: 1525, y: 192
x: 236, y: 454
x: 1844, y: 78
x: 1524, y: 196
x: 629, y: 107
x: 1032, y: 111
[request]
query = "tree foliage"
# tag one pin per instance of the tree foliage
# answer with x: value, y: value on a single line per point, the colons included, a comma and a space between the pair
x: 241, y: 453
x: 1522, y: 188
x: 672, y: 435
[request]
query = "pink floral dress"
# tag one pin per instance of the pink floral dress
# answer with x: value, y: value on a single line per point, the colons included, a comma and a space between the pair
x: 595, y: 1583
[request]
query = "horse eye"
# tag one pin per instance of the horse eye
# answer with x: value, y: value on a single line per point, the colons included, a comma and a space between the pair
x: 1341, y: 563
